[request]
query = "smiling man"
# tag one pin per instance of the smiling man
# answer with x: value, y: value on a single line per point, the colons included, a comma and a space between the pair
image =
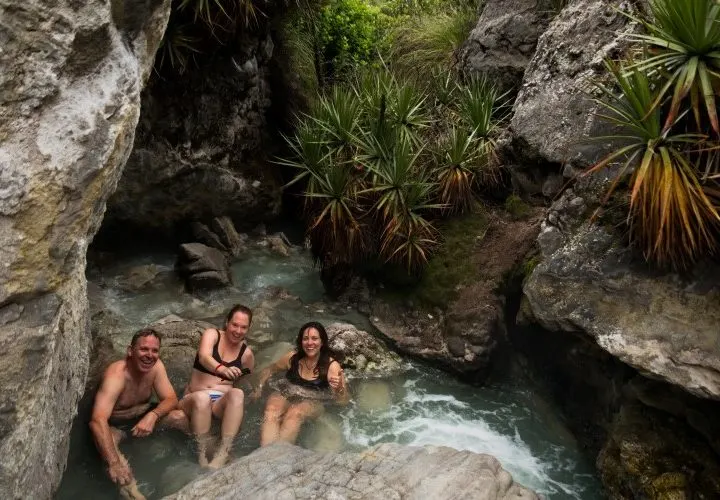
x: 122, y: 405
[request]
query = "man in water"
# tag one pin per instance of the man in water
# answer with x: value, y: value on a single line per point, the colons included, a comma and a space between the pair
x: 123, y: 405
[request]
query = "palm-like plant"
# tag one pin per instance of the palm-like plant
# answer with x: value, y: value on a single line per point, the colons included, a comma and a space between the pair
x: 671, y: 217
x: 337, y: 115
x: 335, y: 229
x: 178, y: 47
x: 409, y: 238
x: 480, y: 107
x: 219, y: 13
x: 684, y: 44
x: 310, y: 155
x: 408, y: 112
x: 455, y: 171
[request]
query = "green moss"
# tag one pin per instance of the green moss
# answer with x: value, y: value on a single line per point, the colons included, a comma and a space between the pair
x: 449, y: 268
x: 516, y: 207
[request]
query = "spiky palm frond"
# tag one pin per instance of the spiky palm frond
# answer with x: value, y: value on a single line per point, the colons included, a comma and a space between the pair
x: 671, y: 217
x: 338, y: 116
x: 178, y: 47
x: 409, y: 113
x: 456, y: 170
x: 335, y: 223
x: 222, y: 13
x: 684, y: 42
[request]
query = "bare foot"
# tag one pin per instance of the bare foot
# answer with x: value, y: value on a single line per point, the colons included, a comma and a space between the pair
x: 220, y: 459
x: 131, y: 492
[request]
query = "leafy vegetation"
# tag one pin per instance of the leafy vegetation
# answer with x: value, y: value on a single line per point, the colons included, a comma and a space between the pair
x: 674, y: 209
x: 381, y: 168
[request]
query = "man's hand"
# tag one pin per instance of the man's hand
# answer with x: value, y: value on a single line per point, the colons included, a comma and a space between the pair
x: 119, y: 473
x: 146, y: 425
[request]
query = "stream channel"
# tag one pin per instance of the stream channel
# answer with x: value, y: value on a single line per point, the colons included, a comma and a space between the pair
x: 505, y: 417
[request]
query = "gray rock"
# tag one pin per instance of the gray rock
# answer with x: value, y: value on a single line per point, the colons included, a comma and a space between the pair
x: 388, y: 471
x: 228, y: 235
x: 661, y: 324
x: 202, y: 234
x: 180, y: 340
x: 363, y: 353
x: 504, y: 40
x: 203, y: 267
x: 199, y: 148
x: 70, y: 87
x: 554, y: 115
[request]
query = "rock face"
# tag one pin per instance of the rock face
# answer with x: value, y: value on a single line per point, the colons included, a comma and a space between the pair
x: 663, y: 326
x: 385, y: 471
x: 554, y: 114
x: 199, y: 149
x: 504, y: 40
x: 70, y: 85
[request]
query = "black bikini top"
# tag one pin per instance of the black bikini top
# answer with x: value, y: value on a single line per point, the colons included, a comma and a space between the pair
x: 237, y: 362
x: 294, y: 377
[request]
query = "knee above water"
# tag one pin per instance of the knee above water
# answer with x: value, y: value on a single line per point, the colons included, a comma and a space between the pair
x: 235, y: 396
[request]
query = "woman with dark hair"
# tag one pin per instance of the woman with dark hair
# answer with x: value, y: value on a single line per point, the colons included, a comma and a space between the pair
x: 222, y: 358
x: 311, y: 376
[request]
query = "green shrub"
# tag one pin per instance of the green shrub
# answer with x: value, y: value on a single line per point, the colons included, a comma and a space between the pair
x: 349, y: 33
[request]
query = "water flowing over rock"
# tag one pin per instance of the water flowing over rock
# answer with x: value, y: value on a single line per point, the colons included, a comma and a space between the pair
x: 504, y: 40
x: 70, y: 87
x: 387, y: 471
x: 199, y: 150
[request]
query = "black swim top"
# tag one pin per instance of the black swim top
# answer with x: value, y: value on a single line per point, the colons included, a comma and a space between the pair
x: 237, y: 362
x: 319, y: 383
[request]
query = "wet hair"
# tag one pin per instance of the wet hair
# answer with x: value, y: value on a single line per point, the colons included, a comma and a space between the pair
x: 325, y: 352
x: 145, y: 332
x: 236, y: 309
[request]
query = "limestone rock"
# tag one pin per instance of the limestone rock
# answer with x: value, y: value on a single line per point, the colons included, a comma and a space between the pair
x: 504, y: 39
x: 70, y: 87
x: 661, y: 324
x: 363, y: 354
x: 203, y: 267
x: 387, y: 471
x: 554, y: 115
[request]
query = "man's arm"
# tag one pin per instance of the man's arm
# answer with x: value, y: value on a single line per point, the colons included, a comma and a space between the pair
x: 112, y: 386
x: 168, y: 401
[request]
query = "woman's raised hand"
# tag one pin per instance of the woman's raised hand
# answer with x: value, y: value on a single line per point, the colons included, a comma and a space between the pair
x: 336, y: 381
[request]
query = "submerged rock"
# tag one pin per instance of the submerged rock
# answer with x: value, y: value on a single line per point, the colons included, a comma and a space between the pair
x: 203, y: 267
x: 388, y: 471
x: 71, y: 78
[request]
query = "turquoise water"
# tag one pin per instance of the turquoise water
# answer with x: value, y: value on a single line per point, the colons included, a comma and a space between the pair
x: 505, y: 418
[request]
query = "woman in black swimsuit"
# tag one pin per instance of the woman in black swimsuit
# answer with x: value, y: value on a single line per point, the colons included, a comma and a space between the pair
x: 308, y: 366
x: 222, y: 358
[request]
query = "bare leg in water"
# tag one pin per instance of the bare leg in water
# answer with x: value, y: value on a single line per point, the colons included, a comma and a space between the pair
x: 197, y: 406
x: 230, y: 408
x: 128, y: 491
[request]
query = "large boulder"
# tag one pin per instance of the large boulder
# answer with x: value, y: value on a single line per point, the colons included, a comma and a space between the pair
x: 200, y: 147
x: 504, y: 40
x: 203, y: 267
x: 365, y: 355
x: 388, y: 471
x: 664, y: 325
x: 554, y: 114
x: 70, y: 83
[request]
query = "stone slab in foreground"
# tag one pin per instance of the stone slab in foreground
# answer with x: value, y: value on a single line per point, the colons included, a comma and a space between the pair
x: 386, y: 471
